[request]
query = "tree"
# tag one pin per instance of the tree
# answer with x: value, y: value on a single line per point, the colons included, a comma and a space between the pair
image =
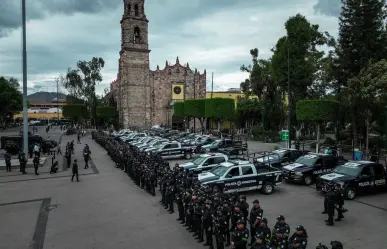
x: 318, y: 111
x: 81, y: 82
x: 74, y: 112
x: 362, y: 37
x: 11, y: 99
x: 107, y: 115
x: 220, y: 109
x: 248, y: 112
x: 195, y: 108
x: 178, y: 109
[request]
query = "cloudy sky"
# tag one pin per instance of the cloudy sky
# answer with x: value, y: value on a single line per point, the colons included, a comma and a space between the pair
x: 209, y: 34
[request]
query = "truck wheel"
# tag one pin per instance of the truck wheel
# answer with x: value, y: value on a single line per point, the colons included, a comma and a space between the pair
x: 308, y: 180
x: 187, y: 155
x: 350, y: 193
x: 268, y: 188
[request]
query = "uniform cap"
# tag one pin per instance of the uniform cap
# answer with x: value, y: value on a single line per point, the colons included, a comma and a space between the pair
x: 336, y: 244
x: 255, y: 201
x: 260, y: 236
x: 300, y: 228
x: 281, y: 217
x: 264, y: 220
x: 241, y: 222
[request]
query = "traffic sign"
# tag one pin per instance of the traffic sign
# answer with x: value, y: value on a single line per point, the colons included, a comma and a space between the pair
x: 284, y: 135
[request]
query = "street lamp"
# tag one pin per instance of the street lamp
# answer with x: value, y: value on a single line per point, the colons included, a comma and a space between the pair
x: 25, y: 112
x: 289, y: 98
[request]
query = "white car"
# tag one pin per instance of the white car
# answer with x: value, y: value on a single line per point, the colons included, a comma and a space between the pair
x: 205, y: 162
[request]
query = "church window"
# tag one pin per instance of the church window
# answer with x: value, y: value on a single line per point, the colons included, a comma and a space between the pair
x: 136, y: 12
x: 136, y: 35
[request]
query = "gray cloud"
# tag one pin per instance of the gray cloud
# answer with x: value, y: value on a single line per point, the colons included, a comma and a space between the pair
x: 10, y: 17
x: 328, y: 7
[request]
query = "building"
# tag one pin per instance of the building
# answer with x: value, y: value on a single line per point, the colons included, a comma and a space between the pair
x: 44, y: 110
x: 145, y: 97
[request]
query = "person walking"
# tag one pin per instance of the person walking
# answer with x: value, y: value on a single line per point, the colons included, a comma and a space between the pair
x: 75, y: 170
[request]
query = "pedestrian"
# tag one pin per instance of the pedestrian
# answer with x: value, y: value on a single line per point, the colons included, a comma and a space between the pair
x: 8, y: 158
x: 79, y: 137
x: 58, y: 150
x: 75, y: 170
x: 54, y: 167
x: 35, y: 161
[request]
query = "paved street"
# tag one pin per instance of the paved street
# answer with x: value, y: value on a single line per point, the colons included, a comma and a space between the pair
x: 106, y: 210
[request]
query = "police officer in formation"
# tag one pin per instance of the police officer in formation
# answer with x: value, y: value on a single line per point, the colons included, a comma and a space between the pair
x: 7, y: 158
x: 214, y: 217
x: 334, y: 200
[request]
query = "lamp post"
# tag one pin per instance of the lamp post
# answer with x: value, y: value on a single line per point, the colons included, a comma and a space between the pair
x: 289, y: 99
x: 25, y: 112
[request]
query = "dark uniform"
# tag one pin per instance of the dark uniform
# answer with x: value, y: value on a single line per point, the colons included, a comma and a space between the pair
x: 259, y: 242
x: 240, y: 236
x: 331, y: 201
x: 256, y: 214
x: 281, y: 232
x: 7, y: 158
x: 86, y: 156
x: 35, y: 161
x: 340, y: 202
x: 23, y: 162
x: 75, y: 170
x: 299, y: 237
x: 264, y: 230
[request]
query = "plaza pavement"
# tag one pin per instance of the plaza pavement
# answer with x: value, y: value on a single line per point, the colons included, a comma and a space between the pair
x: 107, y: 210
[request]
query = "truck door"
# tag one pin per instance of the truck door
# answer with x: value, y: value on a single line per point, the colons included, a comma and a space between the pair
x: 379, y: 177
x: 232, y: 178
x: 174, y: 150
x: 208, y: 164
x: 249, y: 181
x: 366, y: 177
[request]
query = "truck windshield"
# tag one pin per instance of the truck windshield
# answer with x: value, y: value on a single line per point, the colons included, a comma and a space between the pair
x: 307, y: 160
x: 347, y: 170
x: 199, y: 160
x: 219, y: 170
x: 215, y: 143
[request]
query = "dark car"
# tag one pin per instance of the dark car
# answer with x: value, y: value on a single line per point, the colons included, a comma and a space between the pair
x: 356, y: 177
x: 281, y: 157
x: 220, y: 144
x: 307, y: 168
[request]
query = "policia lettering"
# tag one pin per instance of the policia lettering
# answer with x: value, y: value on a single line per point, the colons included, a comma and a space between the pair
x: 372, y: 183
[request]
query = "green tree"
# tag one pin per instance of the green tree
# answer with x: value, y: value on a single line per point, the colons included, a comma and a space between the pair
x: 195, y: 108
x: 11, y: 99
x: 74, y: 112
x: 107, y: 115
x: 248, y: 112
x: 318, y: 111
x: 220, y: 109
x: 81, y: 82
x: 362, y: 37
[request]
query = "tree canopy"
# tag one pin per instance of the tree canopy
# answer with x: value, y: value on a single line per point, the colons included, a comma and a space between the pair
x: 11, y: 99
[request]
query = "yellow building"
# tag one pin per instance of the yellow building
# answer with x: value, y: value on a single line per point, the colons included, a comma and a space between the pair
x: 43, y: 116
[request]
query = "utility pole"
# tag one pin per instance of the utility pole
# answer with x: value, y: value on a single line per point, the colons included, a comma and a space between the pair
x: 195, y: 98
x: 212, y: 85
x: 57, y: 99
x: 289, y: 99
x: 24, y: 55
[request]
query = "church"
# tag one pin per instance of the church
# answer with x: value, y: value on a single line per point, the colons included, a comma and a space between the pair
x: 145, y: 97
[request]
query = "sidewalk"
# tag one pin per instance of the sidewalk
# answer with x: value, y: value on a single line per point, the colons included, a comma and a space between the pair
x: 103, y: 210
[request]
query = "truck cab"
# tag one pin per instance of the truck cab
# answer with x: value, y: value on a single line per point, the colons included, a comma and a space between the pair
x: 356, y: 177
x: 204, y: 162
x: 307, y: 168
x: 241, y: 176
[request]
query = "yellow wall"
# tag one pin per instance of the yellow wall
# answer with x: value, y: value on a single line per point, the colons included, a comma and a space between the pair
x: 40, y: 115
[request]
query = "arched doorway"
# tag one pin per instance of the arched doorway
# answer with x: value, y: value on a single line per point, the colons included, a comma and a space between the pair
x: 177, y: 123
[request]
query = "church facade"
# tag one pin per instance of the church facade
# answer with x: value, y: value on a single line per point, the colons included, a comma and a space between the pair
x: 145, y: 97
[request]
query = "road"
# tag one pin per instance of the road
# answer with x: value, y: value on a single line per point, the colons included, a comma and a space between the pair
x: 106, y: 210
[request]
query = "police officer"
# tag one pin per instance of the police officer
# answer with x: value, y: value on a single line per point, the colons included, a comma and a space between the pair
x: 35, y: 161
x: 236, y: 216
x: 180, y: 205
x: 75, y: 170
x: 256, y: 214
x: 259, y: 242
x: 240, y: 235
x: 336, y: 244
x: 244, y: 207
x: 264, y: 229
x: 299, y: 236
x: 221, y: 228
x: 23, y: 162
x: 331, y: 201
x: 281, y: 232
x: 340, y: 202
x: 86, y: 156
x: 7, y: 158
x: 208, y: 224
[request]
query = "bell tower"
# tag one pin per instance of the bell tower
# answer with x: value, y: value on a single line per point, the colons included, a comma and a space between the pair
x: 134, y: 70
